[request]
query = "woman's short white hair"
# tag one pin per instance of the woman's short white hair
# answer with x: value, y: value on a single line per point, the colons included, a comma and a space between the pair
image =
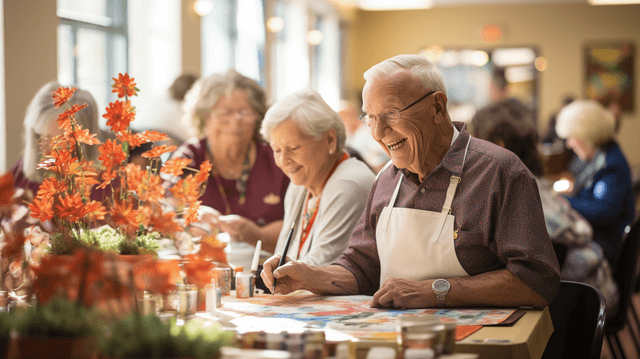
x: 587, y: 120
x: 420, y: 67
x: 39, y: 115
x: 309, y: 111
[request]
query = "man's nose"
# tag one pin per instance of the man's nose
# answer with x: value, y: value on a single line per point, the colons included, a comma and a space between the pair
x: 378, y: 129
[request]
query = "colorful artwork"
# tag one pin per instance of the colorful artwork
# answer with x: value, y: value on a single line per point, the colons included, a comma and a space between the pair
x: 609, y: 75
x: 349, y: 314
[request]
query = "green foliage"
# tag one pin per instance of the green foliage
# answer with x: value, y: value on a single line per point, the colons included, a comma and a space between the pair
x: 106, y: 239
x: 149, y: 337
x: 58, y: 318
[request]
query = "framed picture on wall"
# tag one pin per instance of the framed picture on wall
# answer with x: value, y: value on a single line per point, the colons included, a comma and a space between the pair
x: 609, y: 77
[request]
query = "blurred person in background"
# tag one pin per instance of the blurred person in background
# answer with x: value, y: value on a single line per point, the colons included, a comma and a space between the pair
x: 581, y: 258
x: 359, y: 138
x: 41, y: 126
x: 246, y: 188
x: 164, y: 113
x: 329, y: 189
x: 602, y: 191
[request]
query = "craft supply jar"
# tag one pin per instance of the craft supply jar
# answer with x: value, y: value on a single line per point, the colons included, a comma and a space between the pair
x: 419, y: 331
x: 223, y: 279
x: 187, y: 300
x: 245, y: 284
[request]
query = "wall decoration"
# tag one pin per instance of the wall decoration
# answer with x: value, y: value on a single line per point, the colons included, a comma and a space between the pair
x: 609, y: 77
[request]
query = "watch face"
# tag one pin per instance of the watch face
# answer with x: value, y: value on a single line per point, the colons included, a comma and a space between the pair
x: 441, y: 285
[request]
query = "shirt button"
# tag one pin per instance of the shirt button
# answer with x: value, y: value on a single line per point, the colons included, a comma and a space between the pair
x: 422, y: 190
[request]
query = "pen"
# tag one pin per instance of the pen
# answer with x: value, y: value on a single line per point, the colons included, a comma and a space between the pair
x: 256, y: 257
x: 283, y: 257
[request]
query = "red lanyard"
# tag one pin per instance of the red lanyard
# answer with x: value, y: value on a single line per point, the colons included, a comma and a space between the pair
x: 307, y: 229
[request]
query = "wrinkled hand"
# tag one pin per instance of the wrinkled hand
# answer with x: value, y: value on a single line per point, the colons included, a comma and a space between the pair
x: 292, y: 276
x: 403, y: 293
x: 239, y: 228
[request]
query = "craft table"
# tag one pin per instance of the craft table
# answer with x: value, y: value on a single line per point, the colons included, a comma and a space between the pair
x: 349, y: 318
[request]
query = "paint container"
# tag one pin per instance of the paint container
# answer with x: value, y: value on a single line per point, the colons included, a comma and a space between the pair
x: 245, y: 283
x: 223, y: 279
x: 419, y: 331
x: 187, y: 300
x: 211, y: 297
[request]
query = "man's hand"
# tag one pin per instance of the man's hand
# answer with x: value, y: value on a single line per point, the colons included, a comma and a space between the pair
x: 292, y: 276
x: 404, y: 293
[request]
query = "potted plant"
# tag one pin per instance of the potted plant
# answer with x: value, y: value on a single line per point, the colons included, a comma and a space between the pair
x: 149, y: 337
x: 135, y: 205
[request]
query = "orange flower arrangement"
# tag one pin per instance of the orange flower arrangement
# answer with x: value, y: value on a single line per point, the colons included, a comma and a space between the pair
x: 134, y: 203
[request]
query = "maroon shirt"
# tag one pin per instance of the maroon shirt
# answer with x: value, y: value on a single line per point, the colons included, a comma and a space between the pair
x: 497, y: 209
x: 266, y: 186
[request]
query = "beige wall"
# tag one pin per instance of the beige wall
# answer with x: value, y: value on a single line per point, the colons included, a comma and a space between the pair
x: 191, y: 54
x: 30, y: 41
x: 559, y: 31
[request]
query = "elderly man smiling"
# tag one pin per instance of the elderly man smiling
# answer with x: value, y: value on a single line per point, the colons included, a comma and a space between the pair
x: 451, y: 221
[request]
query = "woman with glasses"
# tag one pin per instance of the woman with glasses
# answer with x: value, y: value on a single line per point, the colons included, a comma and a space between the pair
x: 329, y: 189
x: 245, y: 187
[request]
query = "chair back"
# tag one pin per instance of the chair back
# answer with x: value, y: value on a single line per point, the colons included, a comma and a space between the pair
x: 625, y: 275
x: 578, y: 314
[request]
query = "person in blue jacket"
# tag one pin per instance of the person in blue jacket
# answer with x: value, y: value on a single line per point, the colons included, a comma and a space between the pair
x: 602, y: 191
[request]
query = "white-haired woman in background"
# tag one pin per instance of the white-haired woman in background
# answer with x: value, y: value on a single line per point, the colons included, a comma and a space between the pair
x: 328, y: 190
x: 40, y: 126
x: 602, y: 191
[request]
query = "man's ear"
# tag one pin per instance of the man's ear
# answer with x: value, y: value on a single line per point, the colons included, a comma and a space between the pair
x: 440, y: 106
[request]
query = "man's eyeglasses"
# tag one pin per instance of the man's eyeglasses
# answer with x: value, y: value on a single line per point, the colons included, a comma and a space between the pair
x: 390, y: 117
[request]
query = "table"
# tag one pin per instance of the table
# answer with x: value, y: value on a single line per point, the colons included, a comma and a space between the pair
x: 526, y: 338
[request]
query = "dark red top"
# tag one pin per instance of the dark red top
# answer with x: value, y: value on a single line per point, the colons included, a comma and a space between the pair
x: 266, y: 186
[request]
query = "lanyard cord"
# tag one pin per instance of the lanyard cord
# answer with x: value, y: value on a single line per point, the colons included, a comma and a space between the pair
x: 241, y: 183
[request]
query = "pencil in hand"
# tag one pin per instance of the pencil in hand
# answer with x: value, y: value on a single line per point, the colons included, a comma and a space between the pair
x: 283, y: 257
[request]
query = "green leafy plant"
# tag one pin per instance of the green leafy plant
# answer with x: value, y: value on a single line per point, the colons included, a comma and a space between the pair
x: 149, y: 337
x: 59, y: 318
x: 106, y: 239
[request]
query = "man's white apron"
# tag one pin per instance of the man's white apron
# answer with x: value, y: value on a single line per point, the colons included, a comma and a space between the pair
x: 417, y: 244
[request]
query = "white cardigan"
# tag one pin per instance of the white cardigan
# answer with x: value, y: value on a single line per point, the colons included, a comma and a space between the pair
x: 341, y: 204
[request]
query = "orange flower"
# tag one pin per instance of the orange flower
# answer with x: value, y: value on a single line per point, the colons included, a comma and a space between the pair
x: 84, y: 136
x: 175, y: 166
x: 123, y: 214
x: 151, y: 136
x: 205, y: 169
x: 191, y: 213
x: 42, y: 208
x: 159, y: 150
x: 164, y: 223
x: 64, y: 119
x: 157, y: 277
x: 62, y: 95
x: 119, y: 115
x: 107, y: 177
x: 111, y: 154
x: 123, y: 85
x: 70, y: 207
x: 94, y: 211
x: 212, y: 249
x: 50, y: 187
x: 198, y: 270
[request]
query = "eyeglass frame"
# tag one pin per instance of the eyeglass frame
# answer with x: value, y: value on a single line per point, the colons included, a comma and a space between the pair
x: 364, y: 115
x: 243, y: 117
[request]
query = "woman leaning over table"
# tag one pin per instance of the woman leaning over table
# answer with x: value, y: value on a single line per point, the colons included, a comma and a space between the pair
x: 329, y: 190
x: 245, y: 186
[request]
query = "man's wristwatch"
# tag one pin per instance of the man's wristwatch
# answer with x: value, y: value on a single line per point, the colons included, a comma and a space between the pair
x: 440, y: 288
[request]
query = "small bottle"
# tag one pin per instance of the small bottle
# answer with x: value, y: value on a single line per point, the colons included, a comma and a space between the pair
x: 381, y: 353
x: 426, y: 353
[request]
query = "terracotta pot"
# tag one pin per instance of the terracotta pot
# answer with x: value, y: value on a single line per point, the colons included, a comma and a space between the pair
x: 54, y: 348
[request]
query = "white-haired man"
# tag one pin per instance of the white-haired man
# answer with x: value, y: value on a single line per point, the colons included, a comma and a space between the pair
x: 452, y: 221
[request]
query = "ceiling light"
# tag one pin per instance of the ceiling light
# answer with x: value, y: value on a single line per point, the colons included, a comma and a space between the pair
x: 519, y: 74
x: 449, y: 59
x: 275, y: 24
x: 394, y: 5
x: 540, y: 63
x: 433, y: 53
x: 515, y: 56
x: 479, y: 58
x: 314, y: 37
x: 613, y: 2
x: 203, y: 7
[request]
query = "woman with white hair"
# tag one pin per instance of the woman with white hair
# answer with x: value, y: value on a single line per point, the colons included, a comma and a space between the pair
x: 602, y: 191
x: 329, y: 189
x: 40, y: 126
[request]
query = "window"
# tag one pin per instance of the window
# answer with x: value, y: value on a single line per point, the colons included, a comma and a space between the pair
x: 228, y: 42
x: 92, y: 45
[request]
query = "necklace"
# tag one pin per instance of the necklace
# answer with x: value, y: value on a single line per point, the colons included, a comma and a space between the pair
x: 241, y: 183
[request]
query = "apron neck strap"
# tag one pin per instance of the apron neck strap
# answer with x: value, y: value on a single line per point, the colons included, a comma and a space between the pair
x: 453, y: 183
